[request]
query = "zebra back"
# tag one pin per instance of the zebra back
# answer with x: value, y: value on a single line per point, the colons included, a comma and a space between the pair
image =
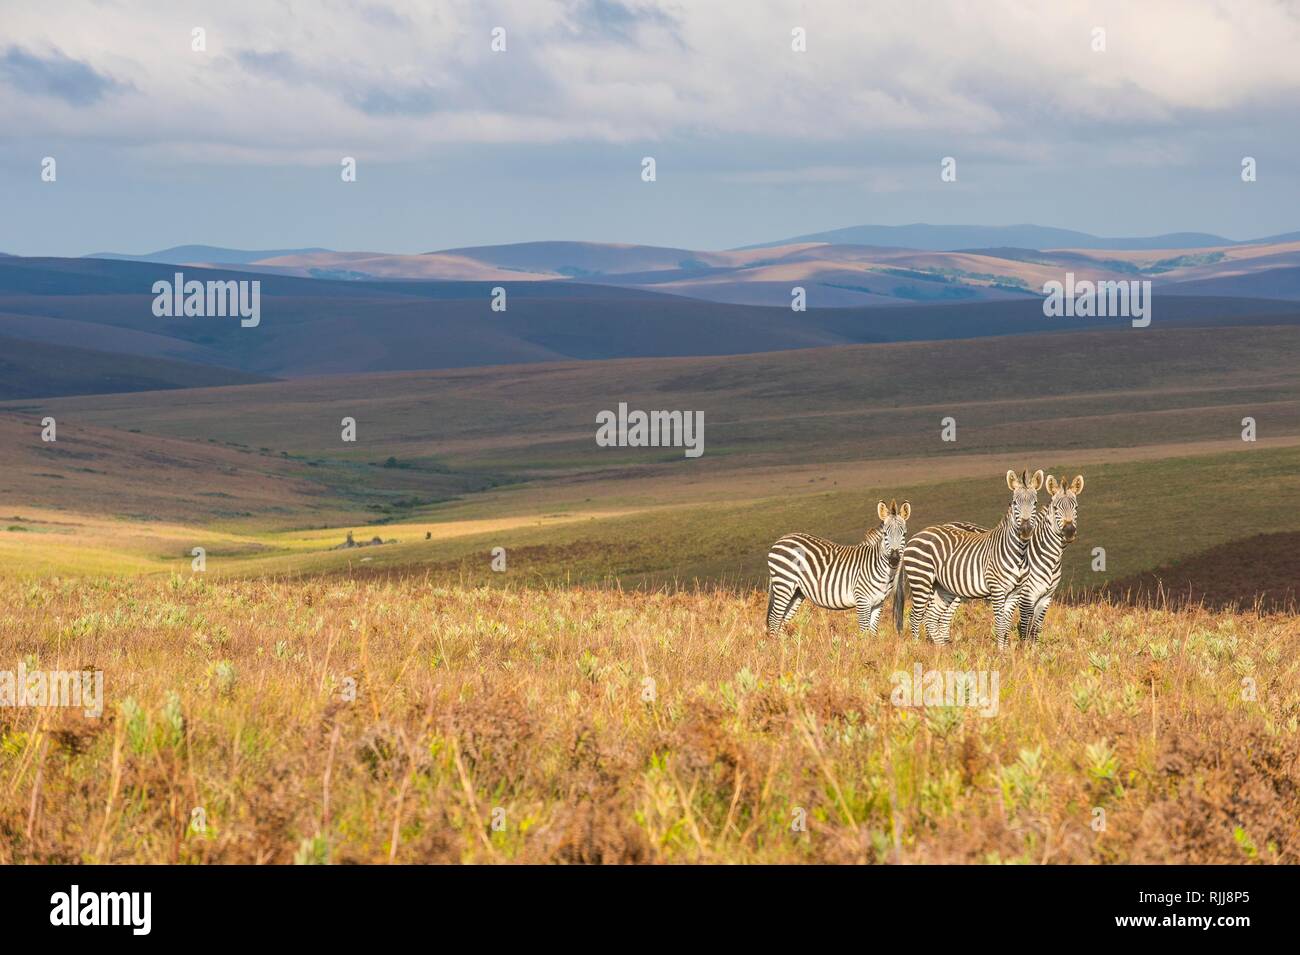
x: 827, y: 573
x: 969, y: 560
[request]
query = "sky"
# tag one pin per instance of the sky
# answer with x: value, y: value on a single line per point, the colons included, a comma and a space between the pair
x: 1138, y: 129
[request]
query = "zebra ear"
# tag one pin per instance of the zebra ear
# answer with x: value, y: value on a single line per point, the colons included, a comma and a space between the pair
x: 882, y: 509
x: 1051, y: 485
x: 905, y: 510
x: 1077, y: 484
x: 1037, y: 481
x: 1012, y: 480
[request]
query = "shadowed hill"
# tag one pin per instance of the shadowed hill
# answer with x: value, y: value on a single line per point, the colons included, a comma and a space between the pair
x: 38, y: 370
x: 313, y: 327
x: 1263, y: 570
x: 1087, y: 390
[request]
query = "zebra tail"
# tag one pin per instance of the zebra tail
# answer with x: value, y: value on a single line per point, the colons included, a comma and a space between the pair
x: 900, y: 598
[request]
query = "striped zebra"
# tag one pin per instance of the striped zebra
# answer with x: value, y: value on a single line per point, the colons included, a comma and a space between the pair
x: 948, y: 563
x: 1057, y: 527
x: 837, y: 576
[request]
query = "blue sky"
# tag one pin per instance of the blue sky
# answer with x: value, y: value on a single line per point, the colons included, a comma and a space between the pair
x: 239, y: 143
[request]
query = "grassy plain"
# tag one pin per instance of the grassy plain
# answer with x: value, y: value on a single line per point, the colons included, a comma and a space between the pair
x: 867, y: 403
x: 716, y: 534
x: 259, y: 475
x: 522, y: 696
x: 592, y: 725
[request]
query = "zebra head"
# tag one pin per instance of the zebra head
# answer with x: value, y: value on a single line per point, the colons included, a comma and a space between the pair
x: 893, y: 528
x: 1022, y: 512
x: 1063, y: 511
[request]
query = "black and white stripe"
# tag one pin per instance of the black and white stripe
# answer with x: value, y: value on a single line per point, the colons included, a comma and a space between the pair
x: 1057, y: 527
x: 948, y: 563
x: 836, y: 576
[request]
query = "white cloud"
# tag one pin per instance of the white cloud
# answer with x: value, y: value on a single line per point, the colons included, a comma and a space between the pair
x: 297, y: 81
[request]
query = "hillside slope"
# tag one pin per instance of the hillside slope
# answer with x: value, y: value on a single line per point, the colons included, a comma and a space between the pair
x: 852, y: 269
x: 1086, y: 389
x: 314, y: 327
x: 1262, y: 570
x: 32, y: 369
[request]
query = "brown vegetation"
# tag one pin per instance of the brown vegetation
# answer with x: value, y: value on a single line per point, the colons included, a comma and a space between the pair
x: 594, y: 727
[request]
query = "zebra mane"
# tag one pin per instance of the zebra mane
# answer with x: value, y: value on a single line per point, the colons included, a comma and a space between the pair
x: 1003, y: 521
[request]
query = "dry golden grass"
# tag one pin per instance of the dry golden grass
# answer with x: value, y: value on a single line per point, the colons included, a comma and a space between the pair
x: 532, y: 708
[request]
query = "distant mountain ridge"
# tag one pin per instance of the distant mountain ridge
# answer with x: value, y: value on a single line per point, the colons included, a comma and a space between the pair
x: 955, y: 238
x: 920, y: 236
x: 184, y: 254
x: 862, y: 266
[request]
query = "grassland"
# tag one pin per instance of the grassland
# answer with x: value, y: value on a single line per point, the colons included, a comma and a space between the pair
x: 1127, y: 509
x: 453, y: 463
x: 598, y: 726
x: 713, y: 533
x: 869, y: 403
x: 521, y: 696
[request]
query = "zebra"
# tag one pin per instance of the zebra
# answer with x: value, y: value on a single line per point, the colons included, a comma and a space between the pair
x: 1058, y: 524
x: 837, y: 576
x: 948, y: 563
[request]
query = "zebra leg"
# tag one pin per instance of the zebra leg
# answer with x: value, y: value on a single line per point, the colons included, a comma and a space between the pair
x: 934, y: 615
x: 795, y: 600
x: 1025, y: 625
x: 941, y: 627
x: 921, y: 614
x: 779, y: 597
x: 864, y: 615
x: 922, y: 594
x: 1003, y: 607
x: 940, y: 599
x: 868, y: 614
x: 1040, y: 611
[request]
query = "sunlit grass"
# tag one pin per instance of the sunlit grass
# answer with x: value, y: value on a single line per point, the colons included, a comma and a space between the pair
x: 595, y: 725
x: 1126, y: 510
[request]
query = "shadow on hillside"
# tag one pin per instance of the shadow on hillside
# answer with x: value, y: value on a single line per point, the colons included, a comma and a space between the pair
x: 1260, y: 573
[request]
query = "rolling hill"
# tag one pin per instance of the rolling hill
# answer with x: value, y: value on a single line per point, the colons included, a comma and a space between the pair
x: 317, y: 327
x: 944, y: 238
x: 457, y: 461
x: 840, y: 271
x: 35, y: 369
x: 1079, y: 390
x: 186, y: 254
